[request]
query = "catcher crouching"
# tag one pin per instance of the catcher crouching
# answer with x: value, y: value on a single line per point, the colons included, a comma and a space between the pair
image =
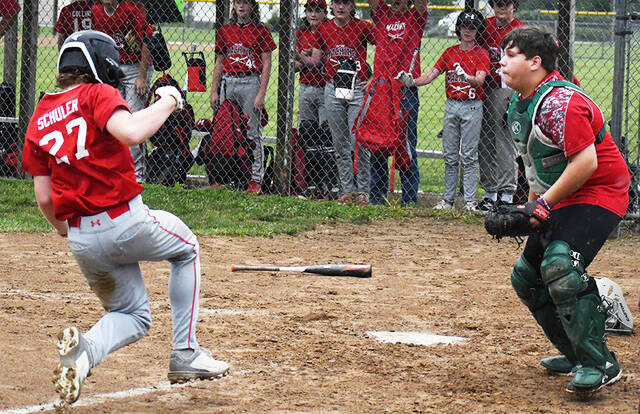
x: 578, y: 194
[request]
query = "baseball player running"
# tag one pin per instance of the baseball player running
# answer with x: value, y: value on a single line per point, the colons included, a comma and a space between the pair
x: 578, y: 178
x: 76, y: 148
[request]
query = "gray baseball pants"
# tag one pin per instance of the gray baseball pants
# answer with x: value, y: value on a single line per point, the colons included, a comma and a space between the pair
x: 341, y: 114
x: 497, y: 152
x: 108, y: 251
x: 311, y: 103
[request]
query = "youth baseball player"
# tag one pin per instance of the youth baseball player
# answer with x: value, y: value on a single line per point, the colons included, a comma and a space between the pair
x: 243, y: 65
x: 579, y: 187
x: 73, y: 17
x: 85, y: 185
x: 466, y: 66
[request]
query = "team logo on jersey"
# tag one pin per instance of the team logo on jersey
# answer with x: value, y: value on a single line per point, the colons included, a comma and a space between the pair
x: 516, y: 128
x: 396, y: 30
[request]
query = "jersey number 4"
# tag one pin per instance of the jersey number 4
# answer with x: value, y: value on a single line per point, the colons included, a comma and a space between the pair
x: 58, y: 138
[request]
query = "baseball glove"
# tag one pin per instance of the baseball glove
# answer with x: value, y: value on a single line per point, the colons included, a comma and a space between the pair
x: 512, y: 220
x: 133, y: 42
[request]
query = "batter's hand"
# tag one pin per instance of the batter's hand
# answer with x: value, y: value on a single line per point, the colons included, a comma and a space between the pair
x: 213, y: 100
x: 460, y: 72
x: 258, y: 104
x: 406, y: 79
x: 140, y: 86
x: 174, y: 93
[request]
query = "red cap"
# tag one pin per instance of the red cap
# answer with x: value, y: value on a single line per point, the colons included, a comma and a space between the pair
x: 319, y: 3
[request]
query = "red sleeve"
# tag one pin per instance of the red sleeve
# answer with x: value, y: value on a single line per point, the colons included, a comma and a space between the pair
x: 62, y: 21
x: 266, y: 40
x: 578, y: 130
x: 484, y: 64
x: 221, y: 46
x: 441, y: 64
x: 369, y: 32
x: 420, y: 20
x: 379, y: 12
x: 106, y: 99
x: 35, y: 161
x: 8, y: 8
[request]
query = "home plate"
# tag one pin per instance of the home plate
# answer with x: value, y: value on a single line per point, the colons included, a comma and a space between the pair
x: 416, y: 338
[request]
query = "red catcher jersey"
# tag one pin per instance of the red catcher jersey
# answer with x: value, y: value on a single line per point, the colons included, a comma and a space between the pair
x: 8, y: 8
x: 242, y: 47
x: 472, y: 61
x: 349, y: 41
x: 126, y: 17
x: 572, y: 121
x: 74, y: 17
x: 66, y: 139
x: 397, y: 36
x: 306, y: 39
x: 491, y: 40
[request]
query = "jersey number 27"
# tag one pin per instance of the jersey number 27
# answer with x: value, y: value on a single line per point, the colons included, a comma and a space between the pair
x: 58, y: 138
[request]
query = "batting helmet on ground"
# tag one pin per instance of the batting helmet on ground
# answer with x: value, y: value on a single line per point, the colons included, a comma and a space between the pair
x: 91, y: 52
x: 470, y: 18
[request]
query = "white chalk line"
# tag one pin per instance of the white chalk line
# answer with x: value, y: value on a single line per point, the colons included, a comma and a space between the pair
x: 416, y: 338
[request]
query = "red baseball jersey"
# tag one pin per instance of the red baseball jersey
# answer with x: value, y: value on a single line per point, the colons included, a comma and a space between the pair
x: 348, y: 42
x: 127, y: 17
x: 307, y: 39
x: 472, y: 60
x: 491, y: 40
x: 397, y: 36
x: 242, y: 47
x: 66, y: 139
x: 572, y: 120
x: 74, y: 17
x: 8, y: 8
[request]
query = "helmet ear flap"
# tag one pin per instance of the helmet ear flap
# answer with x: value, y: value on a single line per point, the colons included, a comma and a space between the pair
x: 113, y: 72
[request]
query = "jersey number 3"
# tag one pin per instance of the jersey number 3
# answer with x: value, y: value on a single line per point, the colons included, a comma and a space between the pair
x: 58, y: 138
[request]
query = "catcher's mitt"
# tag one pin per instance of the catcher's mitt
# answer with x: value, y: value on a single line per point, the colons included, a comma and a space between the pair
x: 512, y: 220
x: 133, y: 42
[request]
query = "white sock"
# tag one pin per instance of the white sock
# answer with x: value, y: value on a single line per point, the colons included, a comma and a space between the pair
x: 491, y: 196
x: 506, y: 197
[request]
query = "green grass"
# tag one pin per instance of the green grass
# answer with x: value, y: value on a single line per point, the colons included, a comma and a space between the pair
x: 220, y: 211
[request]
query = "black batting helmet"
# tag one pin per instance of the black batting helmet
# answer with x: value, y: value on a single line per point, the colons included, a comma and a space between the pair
x: 470, y: 18
x: 91, y: 52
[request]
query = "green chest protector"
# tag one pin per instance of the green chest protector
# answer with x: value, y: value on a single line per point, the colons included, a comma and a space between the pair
x: 544, y: 161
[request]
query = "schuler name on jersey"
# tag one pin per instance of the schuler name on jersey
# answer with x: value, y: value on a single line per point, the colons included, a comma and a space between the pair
x: 58, y: 114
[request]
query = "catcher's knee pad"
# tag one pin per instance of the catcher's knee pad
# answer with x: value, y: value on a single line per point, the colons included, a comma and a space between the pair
x: 526, y: 282
x: 562, y: 271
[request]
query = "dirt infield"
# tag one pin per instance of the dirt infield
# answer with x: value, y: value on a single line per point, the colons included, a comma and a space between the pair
x: 299, y: 343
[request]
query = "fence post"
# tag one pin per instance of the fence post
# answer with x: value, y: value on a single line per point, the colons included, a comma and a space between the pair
x: 566, y: 33
x: 617, y: 99
x: 286, y: 93
x: 11, y: 53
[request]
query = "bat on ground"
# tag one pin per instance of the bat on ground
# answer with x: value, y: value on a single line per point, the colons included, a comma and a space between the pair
x: 353, y: 270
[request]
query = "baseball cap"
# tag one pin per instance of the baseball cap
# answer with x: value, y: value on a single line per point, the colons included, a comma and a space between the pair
x: 320, y: 3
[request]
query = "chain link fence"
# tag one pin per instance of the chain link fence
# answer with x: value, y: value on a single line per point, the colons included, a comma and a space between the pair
x: 289, y: 129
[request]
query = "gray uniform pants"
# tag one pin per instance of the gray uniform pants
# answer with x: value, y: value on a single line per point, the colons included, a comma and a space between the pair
x: 460, y: 135
x: 136, y: 103
x: 311, y: 103
x: 243, y: 91
x: 341, y: 114
x: 497, y: 152
x: 108, y: 252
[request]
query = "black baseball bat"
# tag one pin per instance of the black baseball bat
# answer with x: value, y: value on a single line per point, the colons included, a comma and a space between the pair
x: 353, y: 270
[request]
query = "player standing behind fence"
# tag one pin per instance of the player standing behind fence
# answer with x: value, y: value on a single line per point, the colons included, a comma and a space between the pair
x: 73, y: 17
x: 579, y: 180
x: 466, y: 66
x: 125, y: 22
x: 8, y: 12
x: 496, y: 153
x: 241, y: 74
x: 85, y: 185
x: 310, y: 64
x: 398, y: 32
x: 343, y: 40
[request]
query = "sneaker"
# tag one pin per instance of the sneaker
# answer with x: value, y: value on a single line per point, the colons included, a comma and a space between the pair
x: 74, y: 366
x: 560, y: 365
x: 254, y: 188
x: 486, y: 205
x: 189, y: 364
x: 591, y: 379
x: 362, y: 199
x: 471, y: 207
x: 443, y: 205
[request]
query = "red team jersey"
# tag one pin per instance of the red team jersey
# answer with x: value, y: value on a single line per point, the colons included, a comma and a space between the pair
x: 126, y: 17
x: 396, y: 38
x: 8, y: 8
x: 491, y: 40
x: 472, y: 61
x: 348, y: 42
x: 572, y: 120
x: 66, y: 139
x: 243, y: 46
x: 74, y: 17
x: 306, y: 39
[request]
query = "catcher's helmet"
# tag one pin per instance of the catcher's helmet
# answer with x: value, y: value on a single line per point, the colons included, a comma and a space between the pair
x: 470, y: 18
x: 91, y: 52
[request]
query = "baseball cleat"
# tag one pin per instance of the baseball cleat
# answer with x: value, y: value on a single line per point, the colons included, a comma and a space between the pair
x: 590, y: 379
x: 189, y: 364
x: 560, y: 365
x: 74, y: 364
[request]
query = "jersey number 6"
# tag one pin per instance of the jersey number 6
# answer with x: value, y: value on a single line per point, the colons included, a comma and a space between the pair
x: 58, y: 138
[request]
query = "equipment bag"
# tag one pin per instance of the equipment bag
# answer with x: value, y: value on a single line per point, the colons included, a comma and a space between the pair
x: 171, y: 158
x: 225, y: 151
x: 157, y: 45
x: 320, y: 171
x: 196, y: 71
